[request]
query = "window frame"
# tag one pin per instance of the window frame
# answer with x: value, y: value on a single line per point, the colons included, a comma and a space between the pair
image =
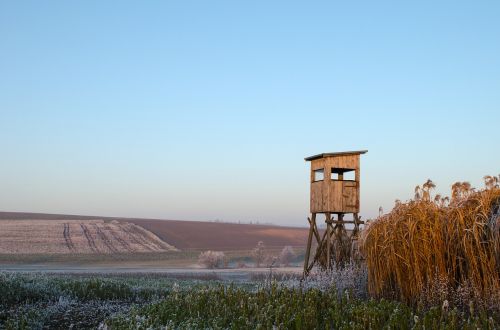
x: 340, y: 172
x: 319, y: 170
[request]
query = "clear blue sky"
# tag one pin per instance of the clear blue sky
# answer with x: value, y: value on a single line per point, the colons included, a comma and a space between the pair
x: 205, y: 110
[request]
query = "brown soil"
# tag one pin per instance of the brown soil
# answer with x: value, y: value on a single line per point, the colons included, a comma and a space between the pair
x: 192, y: 235
x: 222, y: 236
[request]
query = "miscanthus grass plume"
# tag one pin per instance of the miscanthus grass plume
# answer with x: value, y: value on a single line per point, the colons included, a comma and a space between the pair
x: 453, y: 243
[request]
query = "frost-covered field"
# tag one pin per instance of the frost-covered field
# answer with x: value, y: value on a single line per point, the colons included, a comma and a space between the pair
x: 204, y: 301
x: 77, y: 237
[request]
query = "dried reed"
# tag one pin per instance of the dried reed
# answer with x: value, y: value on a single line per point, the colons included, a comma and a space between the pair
x: 457, y: 240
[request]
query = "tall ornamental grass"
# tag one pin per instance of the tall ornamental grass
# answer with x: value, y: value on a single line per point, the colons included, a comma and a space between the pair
x: 455, y: 241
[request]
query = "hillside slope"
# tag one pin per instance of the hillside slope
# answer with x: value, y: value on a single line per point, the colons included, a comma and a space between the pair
x: 223, y: 236
x: 76, y: 237
x: 196, y: 235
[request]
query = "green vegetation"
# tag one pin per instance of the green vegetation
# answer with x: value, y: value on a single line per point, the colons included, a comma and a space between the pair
x: 30, y: 301
x: 236, y: 308
x: 172, y: 257
x: 34, y: 301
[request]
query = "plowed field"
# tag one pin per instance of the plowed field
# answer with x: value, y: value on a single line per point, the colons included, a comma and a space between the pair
x: 77, y: 236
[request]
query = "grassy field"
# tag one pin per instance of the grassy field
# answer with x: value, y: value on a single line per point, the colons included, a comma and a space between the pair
x: 148, y: 301
x: 168, y: 258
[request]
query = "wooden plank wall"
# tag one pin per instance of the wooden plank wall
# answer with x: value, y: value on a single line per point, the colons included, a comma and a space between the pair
x: 335, y: 196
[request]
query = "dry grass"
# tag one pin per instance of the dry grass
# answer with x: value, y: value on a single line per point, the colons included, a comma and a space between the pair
x: 455, y: 240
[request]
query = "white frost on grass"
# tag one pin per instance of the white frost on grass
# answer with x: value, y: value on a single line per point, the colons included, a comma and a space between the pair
x: 351, y: 279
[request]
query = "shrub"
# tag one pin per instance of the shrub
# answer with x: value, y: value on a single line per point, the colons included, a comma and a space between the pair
x: 287, y: 255
x: 271, y: 261
x: 212, y: 259
x: 259, y: 253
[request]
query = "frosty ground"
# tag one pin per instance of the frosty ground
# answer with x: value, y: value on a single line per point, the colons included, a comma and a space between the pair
x: 240, y: 299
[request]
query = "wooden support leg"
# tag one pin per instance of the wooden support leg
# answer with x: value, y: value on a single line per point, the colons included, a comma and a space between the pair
x: 332, y: 249
x: 339, y: 252
x: 316, y: 233
x: 328, y: 243
x: 354, y: 253
x: 312, y: 223
x: 355, y: 230
x: 319, y: 251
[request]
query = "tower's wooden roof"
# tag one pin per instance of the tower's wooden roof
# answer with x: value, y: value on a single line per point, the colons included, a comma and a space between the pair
x: 333, y: 154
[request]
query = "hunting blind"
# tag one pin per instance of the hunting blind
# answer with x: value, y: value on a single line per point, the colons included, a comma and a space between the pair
x: 334, y: 192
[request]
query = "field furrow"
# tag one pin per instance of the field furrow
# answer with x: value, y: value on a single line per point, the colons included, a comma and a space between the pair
x: 116, y: 236
x: 67, y: 238
x: 89, y: 238
x: 76, y: 237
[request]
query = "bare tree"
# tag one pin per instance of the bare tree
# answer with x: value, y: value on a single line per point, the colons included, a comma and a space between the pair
x: 212, y: 259
x: 271, y: 261
x: 286, y: 255
x: 259, y: 253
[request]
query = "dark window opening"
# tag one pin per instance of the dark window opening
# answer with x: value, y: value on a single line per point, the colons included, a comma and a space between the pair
x: 343, y: 174
x: 319, y: 175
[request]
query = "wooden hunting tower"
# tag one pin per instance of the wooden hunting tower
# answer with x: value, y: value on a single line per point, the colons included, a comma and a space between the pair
x: 334, y: 191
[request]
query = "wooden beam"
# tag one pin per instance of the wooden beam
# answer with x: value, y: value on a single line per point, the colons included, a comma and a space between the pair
x: 316, y: 232
x: 328, y: 225
x: 346, y: 221
x: 312, y: 224
x: 319, y: 250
